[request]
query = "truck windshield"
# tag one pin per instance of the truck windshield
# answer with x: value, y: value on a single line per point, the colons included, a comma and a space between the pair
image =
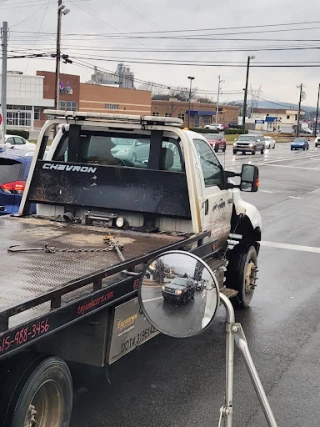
x: 246, y: 138
x: 179, y: 281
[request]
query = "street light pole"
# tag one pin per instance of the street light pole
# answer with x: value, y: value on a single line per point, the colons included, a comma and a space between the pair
x: 190, y: 78
x: 218, y: 98
x: 317, y: 113
x: 246, y: 96
x: 299, y: 111
x: 61, y: 11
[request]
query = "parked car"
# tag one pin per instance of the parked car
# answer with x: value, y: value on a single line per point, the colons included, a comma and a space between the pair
x: 270, y: 142
x: 249, y: 143
x: 14, y: 169
x: 317, y: 141
x: 179, y: 290
x: 134, y: 150
x: 17, y: 142
x: 217, y: 141
x: 234, y: 125
x: 200, y: 285
x: 215, y: 126
x: 299, y: 143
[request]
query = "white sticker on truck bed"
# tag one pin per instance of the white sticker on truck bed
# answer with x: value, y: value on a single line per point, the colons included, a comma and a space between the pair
x: 130, y: 329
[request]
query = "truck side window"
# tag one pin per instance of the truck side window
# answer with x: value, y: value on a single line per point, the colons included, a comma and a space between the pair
x: 211, y: 168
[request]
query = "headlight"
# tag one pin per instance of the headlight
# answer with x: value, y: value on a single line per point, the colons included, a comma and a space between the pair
x: 178, y: 292
x: 250, y: 146
x: 163, y: 288
x: 122, y: 151
x: 235, y: 144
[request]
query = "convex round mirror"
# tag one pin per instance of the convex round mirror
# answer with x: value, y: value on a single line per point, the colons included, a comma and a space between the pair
x: 179, y: 294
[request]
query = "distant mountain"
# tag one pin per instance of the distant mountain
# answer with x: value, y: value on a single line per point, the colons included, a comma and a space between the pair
x: 274, y: 105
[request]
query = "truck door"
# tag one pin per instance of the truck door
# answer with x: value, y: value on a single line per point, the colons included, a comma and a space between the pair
x: 215, y: 200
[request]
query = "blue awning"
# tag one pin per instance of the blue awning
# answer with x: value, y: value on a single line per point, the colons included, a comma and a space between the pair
x: 271, y: 119
x: 201, y: 113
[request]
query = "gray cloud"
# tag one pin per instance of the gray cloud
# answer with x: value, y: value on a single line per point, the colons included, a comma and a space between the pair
x: 102, y: 17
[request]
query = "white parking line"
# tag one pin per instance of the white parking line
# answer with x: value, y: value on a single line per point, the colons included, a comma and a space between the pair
x: 294, y: 197
x: 152, y: 299
x: 290, y: 247
x: 293, y: 167
x: 266, y: 191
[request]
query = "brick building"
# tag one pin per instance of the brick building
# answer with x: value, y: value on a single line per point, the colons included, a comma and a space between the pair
x: 201, y: 114
x: 106, y: 99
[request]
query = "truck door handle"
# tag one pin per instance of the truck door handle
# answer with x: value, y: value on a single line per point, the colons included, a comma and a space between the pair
x: 206, y: 207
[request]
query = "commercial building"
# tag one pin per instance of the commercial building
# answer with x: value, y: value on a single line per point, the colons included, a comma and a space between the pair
x: 105, y: 99
x: 29, y: 96
x: 275, y: 119
x: 201, y: 114
x: 25, y: 100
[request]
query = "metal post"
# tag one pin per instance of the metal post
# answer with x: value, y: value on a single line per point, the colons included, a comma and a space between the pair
x: 299, y: 111
x: 4, y: 74
x: 235, y: 333
x: 190, y: 78
x: 242, y: 344
x: 246, y: 96
x: 317, y: 113
x: 58, y: 53
x: 227, y: 410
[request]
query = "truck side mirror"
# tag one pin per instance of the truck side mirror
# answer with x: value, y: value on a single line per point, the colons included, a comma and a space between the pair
x: 249, y: 178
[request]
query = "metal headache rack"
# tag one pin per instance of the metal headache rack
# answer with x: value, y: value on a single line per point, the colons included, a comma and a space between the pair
x: 108, y: 117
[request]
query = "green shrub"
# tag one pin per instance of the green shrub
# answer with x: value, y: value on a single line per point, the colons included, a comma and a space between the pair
x: 23, y: 133
x: 226, y: 131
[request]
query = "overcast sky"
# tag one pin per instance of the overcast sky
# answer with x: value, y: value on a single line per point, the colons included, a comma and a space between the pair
x: 32, y: 26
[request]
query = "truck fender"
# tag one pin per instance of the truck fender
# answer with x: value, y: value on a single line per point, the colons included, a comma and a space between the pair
x: 246, y: 223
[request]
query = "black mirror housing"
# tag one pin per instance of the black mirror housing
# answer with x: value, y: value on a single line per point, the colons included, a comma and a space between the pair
x: 249, y: 178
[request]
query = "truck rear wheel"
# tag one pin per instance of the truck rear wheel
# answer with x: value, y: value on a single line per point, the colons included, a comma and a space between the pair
x: 37, y: 393
x: 242, y: 274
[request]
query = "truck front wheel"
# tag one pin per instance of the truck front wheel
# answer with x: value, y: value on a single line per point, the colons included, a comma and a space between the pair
x: 242, y: 273
x: 38, y: 393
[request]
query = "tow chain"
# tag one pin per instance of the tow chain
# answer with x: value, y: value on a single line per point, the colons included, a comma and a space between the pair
x: 113, y: 245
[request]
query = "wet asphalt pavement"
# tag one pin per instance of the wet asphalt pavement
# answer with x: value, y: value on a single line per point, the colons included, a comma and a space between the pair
x: 177, y: 383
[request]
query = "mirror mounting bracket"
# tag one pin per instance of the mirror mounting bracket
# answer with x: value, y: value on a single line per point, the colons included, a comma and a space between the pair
x: 235, y: 334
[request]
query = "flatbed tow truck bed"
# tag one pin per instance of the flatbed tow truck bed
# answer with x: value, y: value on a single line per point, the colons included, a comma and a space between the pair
x: 41, y: 292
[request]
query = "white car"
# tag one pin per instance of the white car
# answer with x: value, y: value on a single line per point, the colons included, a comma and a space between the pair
x: 215, y: 126
x: 17, y: 142
x: 270, y: 142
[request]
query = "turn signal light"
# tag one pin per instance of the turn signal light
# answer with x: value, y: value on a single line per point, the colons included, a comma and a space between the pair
x: 16, y: 187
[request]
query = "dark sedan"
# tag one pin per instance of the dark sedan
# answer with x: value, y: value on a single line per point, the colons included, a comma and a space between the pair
x: 179, y: 290
x: 300, y: 143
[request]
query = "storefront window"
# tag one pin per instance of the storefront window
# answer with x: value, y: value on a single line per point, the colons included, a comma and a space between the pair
x: 19, y: 115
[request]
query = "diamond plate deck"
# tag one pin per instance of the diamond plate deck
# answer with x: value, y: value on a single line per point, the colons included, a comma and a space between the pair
x: 27, y: 275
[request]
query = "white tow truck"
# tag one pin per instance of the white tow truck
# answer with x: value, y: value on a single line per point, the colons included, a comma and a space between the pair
x: 112, y: 193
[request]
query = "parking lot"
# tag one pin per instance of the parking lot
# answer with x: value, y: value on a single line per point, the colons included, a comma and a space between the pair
x: 172, y: 382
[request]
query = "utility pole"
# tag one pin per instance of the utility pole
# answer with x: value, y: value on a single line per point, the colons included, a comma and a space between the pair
x: 299, y: 111
x: 61, y: 11
x: 246, y: 96
x: 190, y: 78
x: 218, y: 97
x: 4, y: 36
x: 317, y: 113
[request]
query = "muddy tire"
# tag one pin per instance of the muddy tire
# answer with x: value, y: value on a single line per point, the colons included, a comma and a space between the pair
x: 37, y: 391
x: 241, y: 274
